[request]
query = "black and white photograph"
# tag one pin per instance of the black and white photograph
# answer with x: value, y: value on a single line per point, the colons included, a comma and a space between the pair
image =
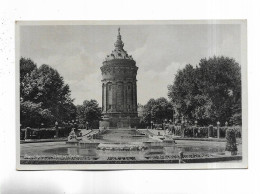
x: 131, y: 94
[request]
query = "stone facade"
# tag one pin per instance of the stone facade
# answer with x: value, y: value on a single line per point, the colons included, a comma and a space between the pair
x: 119, y: 90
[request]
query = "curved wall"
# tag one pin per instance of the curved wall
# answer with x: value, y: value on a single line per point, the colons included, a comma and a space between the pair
x: 119, y: 86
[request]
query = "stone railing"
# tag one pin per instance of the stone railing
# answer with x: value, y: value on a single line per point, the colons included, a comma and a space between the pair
x: 203, y: 132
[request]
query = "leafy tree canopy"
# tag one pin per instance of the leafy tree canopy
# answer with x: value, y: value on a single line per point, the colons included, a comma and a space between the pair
x: 26, y: 67
x: 157, y: 110
x: 43, y: 89
x: 208, y: 93
x: 89, y: 112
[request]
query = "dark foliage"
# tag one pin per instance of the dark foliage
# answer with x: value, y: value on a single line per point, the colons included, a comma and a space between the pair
x: 89, y: 112
x: 208, y: 93
x: 44, y: 97
x: 157, y: 110
x: 231, y: 140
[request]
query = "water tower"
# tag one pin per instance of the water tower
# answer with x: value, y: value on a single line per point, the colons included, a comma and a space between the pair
x: 119, y: 93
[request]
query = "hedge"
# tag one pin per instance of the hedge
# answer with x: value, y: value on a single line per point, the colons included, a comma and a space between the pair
x: 231, y: 140
x: 44, y: 133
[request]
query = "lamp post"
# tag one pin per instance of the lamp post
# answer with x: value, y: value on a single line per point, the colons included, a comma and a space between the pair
x: 193, y: 131
x: 87, y: 125
x: 57, y: 129
x: 226, y: 124
x: 218, y: 129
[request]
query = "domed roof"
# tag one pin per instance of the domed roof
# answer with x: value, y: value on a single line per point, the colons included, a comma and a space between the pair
x: 118, y: 52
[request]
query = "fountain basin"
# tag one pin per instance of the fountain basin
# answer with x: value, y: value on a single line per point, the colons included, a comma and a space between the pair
x: 73, y: 143
x: 88, y: 145
x: 154, y: 147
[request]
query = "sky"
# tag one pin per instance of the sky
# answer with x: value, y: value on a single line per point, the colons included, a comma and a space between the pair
x: 77, y: 52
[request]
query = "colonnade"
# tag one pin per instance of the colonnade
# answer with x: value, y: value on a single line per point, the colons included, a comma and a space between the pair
x: 119, y: 96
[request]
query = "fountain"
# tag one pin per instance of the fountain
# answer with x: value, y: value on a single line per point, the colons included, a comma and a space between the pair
x: 72, y: 138
x: 85, y: 146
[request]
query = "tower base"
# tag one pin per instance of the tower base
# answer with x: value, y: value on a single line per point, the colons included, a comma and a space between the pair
x: 113, y: 121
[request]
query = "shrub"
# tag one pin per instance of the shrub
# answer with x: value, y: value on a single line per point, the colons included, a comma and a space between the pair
x: 231, y: 140
x: 45, y: 133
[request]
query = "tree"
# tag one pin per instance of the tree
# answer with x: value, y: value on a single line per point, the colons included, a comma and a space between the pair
x: 210, y: 92
x: 43, y: 89
x: 54, y: 94
x: 89, y: 112
x: 33, y: 115
x: 26, y: 67
x: 183, y: 91
x: 157, y: 110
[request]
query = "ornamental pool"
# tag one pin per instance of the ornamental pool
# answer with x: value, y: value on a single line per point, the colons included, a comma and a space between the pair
x: 61, y: 148
x: 125, y: 143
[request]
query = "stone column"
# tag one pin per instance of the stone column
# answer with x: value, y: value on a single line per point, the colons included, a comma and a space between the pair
x: 130, y: 97
x: 218, y: 129
x: 105, y: 97
x: 211, y: 130
x: 114, y: 97
x: 125, y: 96
x: 27, y: 133
x: 134, y: 97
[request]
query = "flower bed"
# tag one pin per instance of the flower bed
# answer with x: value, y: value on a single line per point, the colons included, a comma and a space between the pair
x: 170, y: 157
x: 162, y: 157
x: 58, y: 157
x: 132, y: 148
x: 121, y: 158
